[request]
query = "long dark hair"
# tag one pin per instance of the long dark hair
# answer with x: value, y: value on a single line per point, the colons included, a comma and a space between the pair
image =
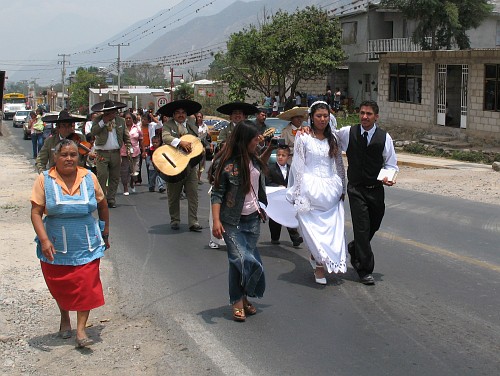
x: 237, y: 148
x: 332, y: 140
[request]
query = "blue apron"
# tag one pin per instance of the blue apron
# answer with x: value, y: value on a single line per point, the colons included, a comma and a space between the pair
x: 74, y: 232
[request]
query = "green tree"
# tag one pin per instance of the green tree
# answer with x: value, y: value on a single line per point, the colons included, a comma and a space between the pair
x: 283, y: 50
x: 85, y: 78
x: 144, y: 75
x: 445, y: 21
x: 183, y: 91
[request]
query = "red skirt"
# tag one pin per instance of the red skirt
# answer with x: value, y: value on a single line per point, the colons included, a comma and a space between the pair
x: 75, y: 288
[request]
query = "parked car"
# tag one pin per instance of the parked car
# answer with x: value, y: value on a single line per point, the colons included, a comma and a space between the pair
x: 26, y: 129
x: 19, y: 118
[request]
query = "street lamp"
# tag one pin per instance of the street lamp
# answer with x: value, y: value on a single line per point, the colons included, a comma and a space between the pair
x: 172, y: 83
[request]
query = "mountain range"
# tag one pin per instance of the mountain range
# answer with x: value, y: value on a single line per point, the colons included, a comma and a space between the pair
x: 184, y: 35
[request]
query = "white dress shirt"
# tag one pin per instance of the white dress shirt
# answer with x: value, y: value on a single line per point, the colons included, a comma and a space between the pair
x: 389, y: 154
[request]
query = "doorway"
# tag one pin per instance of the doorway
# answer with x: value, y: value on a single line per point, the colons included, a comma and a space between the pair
x: 452, y: 95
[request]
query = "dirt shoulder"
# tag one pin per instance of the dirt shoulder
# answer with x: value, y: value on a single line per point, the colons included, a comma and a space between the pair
x: 133, y: 345
x: 29, y: 317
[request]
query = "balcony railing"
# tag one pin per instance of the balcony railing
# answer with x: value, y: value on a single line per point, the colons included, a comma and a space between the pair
x: 376, y: 46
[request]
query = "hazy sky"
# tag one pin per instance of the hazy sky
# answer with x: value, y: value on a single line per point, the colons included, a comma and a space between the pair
x: 29, y: 27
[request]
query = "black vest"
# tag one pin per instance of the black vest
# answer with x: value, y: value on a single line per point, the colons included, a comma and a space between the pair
x: 365, y: 164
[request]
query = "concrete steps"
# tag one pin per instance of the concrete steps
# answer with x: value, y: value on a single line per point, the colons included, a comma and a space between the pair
x: 445, y: 141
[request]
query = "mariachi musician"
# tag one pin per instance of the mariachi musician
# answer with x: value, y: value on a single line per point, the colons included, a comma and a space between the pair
x: 65, y: 126
x: 172, y: 132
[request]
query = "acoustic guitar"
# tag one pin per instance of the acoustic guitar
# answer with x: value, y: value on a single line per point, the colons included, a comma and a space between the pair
x: 172, y: 163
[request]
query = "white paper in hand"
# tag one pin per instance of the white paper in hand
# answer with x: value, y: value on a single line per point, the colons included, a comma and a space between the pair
x: 387, y: 173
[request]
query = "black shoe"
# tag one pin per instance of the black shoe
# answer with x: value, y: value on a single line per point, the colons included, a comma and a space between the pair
x: 161, y: 190
x: 276, y: 242
x: 367, y: 280
x: 111, y: 205
x: 354, y: 261
x: 298, y: 241
x: 195, y: 228
x: 174, y: 226
x: 151, y: 189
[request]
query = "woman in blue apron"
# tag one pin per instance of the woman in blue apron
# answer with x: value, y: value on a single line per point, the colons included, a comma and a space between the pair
x: 70, y: 240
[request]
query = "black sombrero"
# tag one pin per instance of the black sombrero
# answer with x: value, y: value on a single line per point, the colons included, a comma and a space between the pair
x: 107, y: 105
x: 191, y: 107
x: 63, y: 117
x: 228, y: 108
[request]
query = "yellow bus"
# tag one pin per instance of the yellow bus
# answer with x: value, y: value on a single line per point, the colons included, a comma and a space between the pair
x: 13, y: 102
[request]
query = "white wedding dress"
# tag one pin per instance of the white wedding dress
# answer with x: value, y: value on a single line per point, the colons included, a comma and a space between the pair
x: 315, y: 186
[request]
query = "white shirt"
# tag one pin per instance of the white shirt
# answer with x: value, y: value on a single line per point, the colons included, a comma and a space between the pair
x: 112, y: 142
x: 284, y: 170
x: 389, y: 155
x: 88, y: 127
x: 152, y: 127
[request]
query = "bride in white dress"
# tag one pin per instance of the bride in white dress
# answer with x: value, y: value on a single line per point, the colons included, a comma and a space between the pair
x: 317, y: 187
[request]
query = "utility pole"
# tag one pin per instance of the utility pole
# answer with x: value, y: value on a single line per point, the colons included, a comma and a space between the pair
x: 32, y: 93
x: 172, y: 76
x: 63, y: 74
x: 118, y: 63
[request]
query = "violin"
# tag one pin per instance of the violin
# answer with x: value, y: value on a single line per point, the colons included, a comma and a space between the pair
x: 84, y: 147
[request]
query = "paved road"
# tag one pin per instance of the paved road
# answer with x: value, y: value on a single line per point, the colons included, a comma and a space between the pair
x: 433, y: 311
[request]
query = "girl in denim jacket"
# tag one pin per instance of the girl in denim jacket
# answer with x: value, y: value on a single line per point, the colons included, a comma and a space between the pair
x: 238, y: 186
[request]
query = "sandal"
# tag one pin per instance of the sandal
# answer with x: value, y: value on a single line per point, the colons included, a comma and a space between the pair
x: 83, y: 342
x: 239, y: 314
x: 64, y: 334
x: 249, y: 308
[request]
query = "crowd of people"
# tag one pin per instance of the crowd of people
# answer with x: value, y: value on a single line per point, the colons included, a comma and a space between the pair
x: 304, y: 190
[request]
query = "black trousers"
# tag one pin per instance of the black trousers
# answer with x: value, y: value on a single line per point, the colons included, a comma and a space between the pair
x: 275, y: 229
x: 367, y: 210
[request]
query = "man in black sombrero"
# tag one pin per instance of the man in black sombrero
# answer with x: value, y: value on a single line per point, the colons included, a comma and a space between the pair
x: 110, y: 134
x: 237, y: 111
x: 65, y: 128
x: 172, y: 132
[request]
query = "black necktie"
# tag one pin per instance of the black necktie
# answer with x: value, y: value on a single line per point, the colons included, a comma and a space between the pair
x: 365, y: 139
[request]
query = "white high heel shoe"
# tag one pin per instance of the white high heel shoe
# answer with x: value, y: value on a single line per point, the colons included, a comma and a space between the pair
x: 313, y: 263
x: 319, y: 281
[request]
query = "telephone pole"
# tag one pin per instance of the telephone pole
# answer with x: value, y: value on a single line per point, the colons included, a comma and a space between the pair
x: 118, y: 63
x: 63, y: 73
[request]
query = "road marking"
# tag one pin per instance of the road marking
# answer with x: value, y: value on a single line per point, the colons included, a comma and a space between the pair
x: 437, y: 250
x: 442, y: 252
x: 212, y: 347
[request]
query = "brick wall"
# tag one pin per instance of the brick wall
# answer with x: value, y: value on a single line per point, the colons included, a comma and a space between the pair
x: 482, y: 126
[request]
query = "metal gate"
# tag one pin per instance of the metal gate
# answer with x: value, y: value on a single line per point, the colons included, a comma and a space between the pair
x: 463, y: 99
x: 441, y: 94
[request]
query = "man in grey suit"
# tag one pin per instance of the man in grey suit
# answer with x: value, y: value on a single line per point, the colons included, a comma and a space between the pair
x: 110, y: 134
x: 172, y: 131
x: 65, y: 125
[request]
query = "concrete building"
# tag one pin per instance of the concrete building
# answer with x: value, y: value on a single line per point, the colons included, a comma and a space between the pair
x: 453, y: 91
x: 133, y: 96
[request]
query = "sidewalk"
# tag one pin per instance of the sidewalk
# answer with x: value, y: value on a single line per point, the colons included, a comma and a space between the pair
x: 421, y: 161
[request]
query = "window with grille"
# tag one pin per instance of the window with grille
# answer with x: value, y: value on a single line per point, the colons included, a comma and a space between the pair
x: 492, y: 87
x: 405, y: 83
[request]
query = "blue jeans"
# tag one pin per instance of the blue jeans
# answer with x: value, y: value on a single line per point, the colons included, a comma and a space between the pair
x: 37, y: 141
x: 246, y: 272
x: 154, y: 178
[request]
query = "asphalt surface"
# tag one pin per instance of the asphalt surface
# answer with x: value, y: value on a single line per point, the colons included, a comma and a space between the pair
x: 433, y: 311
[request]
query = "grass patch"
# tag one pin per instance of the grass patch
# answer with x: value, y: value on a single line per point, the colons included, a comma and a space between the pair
x: 458, y: 155
x: 352, y: 119
x: 9, y: 206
